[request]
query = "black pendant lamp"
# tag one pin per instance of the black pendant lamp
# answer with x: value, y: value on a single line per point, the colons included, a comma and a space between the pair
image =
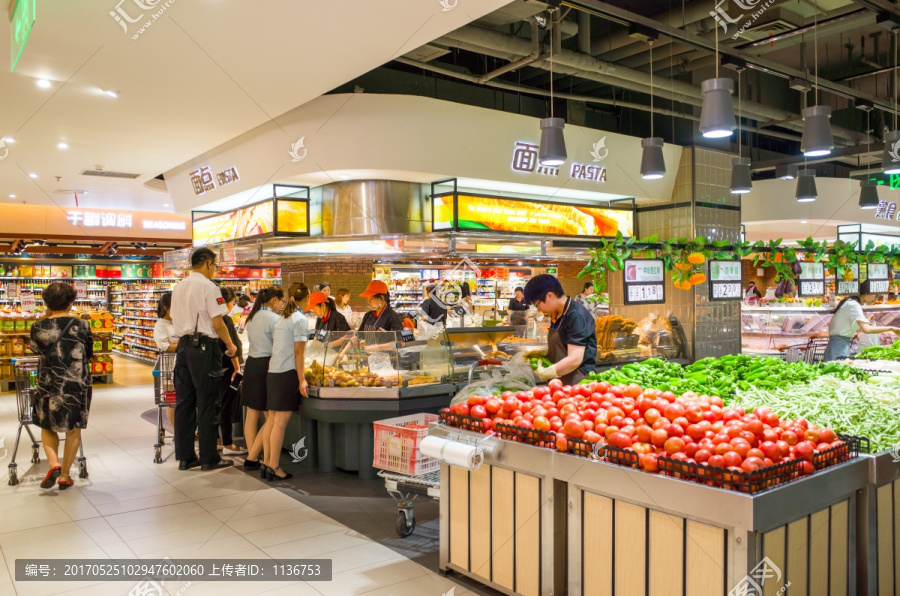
x: 553, y: 142
x: 806, y: 186
x: 653, y: 164
x: 741, y: 181
x: 717, y: 113
x: 868, y: 189
x: 817, y: 139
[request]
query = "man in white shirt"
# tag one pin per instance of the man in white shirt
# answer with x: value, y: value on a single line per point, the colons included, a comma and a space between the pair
x: 197, y: 311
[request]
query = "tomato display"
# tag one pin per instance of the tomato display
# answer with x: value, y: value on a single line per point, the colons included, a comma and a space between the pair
x: 655, y: 427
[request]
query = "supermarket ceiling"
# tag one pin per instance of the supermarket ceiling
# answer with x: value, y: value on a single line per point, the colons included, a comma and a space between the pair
x: 142, y: 97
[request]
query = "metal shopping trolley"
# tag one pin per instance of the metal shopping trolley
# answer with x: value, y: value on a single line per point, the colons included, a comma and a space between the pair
x: 25, y: 372
x: 164, y: 394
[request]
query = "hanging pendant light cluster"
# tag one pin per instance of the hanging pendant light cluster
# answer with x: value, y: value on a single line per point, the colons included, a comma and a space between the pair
x: 653, y: 164
x: 552, y: 151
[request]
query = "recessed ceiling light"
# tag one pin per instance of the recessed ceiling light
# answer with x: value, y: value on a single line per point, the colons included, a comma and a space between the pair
x: 165, y: 204
x: 803, y: 221
x: 43, y: 83
x: 63, y: 145
x: 12, y: 196
x: 9, y: 139
x: 111, y: 93
x: 32, y: 175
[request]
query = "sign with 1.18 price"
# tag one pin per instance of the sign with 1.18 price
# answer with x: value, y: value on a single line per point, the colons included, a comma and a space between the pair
x: 644, y: 281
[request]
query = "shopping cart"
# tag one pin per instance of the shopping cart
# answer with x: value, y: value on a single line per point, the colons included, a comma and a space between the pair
x: 25, y: 372
x: 164, y: 394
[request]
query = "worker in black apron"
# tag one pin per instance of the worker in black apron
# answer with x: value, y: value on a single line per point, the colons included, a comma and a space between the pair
x: 518, y: 309
x: 572, y: 340
x: 382, y: 317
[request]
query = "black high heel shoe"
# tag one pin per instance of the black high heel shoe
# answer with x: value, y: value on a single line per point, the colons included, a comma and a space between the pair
x: 271, y: 476
x: 263, y: 471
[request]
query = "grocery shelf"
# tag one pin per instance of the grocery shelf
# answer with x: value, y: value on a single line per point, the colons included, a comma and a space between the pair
x: 139, y: 318
x: 138, y: 357
x: 143, y: 346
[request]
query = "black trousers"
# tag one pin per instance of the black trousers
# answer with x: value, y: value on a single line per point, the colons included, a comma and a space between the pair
x: 228, y: 413
x: 198, y: 384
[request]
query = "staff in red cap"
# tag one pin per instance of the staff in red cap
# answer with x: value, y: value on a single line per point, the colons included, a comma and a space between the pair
x: 382, y: 317
x: 329, y: 318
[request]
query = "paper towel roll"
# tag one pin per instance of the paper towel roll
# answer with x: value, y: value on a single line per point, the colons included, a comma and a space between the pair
x: 452, y: 452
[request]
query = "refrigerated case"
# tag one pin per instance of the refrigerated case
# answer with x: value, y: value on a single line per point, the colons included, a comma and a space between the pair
x: 771, y: 328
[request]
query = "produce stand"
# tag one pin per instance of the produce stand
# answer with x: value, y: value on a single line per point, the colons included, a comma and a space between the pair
x: 563, y: 524
x: 879, y: 530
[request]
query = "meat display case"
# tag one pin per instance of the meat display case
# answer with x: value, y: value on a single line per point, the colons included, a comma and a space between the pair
x: 766, y: 329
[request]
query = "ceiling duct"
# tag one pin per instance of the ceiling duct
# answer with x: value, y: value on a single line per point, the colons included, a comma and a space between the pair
x: 109, y: 174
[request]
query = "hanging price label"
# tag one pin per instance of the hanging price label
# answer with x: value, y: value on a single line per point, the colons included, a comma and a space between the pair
x: 28, y: 304
x: 644, y: 281
x: 849, y: 288
x: 812, y: 279
x: 725, y: 280
x: 81, y: 289
x: 12, y: 290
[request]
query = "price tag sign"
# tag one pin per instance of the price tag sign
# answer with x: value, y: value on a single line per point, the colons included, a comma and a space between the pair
x: 12, y: 290
x: 812, y: 280
x: 81, y: 289
x: 644, y: 281
x: 725, y: 280
x: 28, y: 304
x: 406, y: 335
x: 879, y: 278
x: 849, y: 288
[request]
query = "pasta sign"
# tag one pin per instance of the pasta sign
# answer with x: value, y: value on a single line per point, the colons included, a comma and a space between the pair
x: 525, y: 160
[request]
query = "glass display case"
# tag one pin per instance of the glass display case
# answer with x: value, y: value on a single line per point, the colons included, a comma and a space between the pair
x: 621, y: 339
x: 377, y: 364
x: 769, y: 329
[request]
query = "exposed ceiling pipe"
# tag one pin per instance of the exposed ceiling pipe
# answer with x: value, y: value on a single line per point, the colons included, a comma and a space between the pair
x: 576, y: 97
x: 533, y: 56
x: 616, y: 13
x: 510, y: 47
x: 693, y: 13
x: 584, y: 32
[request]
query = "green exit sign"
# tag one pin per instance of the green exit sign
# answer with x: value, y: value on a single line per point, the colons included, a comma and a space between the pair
x: 20, y: 28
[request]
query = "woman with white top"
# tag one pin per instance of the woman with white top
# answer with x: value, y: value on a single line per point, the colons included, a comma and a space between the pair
x: 164, y: 336
x: 286, y: 379
x: 847, y: 319
x: 342, y: 300
x: 260, y: 331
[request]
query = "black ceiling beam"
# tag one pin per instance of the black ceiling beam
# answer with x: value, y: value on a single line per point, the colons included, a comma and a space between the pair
x: 626, y: 17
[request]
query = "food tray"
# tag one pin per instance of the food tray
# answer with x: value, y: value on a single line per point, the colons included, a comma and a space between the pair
x: 397, y: 446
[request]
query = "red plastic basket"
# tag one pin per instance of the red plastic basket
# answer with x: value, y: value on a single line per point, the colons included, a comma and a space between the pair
x: 397, y: 445
x: 169, y: 397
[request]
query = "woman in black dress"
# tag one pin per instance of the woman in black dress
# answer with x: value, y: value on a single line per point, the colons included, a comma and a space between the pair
x: 62, y: 399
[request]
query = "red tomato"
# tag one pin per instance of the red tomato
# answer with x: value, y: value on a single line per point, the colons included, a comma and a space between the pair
x: 600, y: 429
x: 620, y: 440
x: 720, y: 439
x: 755, y: 427
x: 770, y: 435
x: 823, y: 446
x: 558, y: 395
x: 476, y: 400
x: 478, y: 411
x: 675, y: 430
x: 694, y: 413
x: 561, y: 443
x: 610, y: 430
x: 673, y: 411
x: 591, y: 437
x: 702, y: 455
x: 556, y: 425
x: 573, y: 428
x: 644, y: 434
x: 541, y: 392
x: 659, y: 437
x: 723, y: 448
x: 526, y: 407
x: 742, y: 448
x: 541, y: 423
x: 730, y: 414
x: 555, y: 385
x: 691, y: 449
x: 716, y: 461
x: 732, y: 459
x: 587, y: 425
x: 771, y: 450
x: 616, y: 390
x: 524, y: 423
x: 642, y: 448
x: 632, y: 390
x: 805, y: 449
x: 596, y: 398
x: 652, y: 415
x: 585, y: 390
x: 614, y: 411
x: 674, y: 445
x: 733, y: 431
x: 827, y: 435
x: 752, y: 464
x: 771, y: 419
x: 650, y: 463
x: 462, y: 408
x: 813, y: 435
x: 568, y: 409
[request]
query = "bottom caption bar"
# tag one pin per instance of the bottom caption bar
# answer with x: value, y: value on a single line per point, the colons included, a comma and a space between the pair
x: 309, y: 570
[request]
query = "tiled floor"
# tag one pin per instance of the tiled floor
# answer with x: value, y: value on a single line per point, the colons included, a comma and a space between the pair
x: 130, y: 507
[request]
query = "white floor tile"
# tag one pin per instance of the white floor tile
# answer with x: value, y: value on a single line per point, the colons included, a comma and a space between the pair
x: 373, y: 577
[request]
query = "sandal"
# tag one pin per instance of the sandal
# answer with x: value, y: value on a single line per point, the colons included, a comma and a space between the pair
x: 64, y: 484
x: 50, y: 479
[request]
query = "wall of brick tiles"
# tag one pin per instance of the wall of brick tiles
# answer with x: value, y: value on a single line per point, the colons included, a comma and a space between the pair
x: 353, y: 275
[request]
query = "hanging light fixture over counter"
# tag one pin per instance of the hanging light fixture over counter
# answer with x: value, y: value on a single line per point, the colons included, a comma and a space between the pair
x: 741, y: 182
x: 653, y: 165
x: 817, y: 139
x: 868, y: 194
x: 717, y: 115
x: 806, y: 186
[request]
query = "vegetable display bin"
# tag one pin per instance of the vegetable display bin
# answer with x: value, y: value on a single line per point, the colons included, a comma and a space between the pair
x: 610, y: 530
x: 879, y: 527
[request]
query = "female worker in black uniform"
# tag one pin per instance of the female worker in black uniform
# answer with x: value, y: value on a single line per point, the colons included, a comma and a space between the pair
x: 518, y: 308
x: 382, y: 317
x: 329, y: 318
